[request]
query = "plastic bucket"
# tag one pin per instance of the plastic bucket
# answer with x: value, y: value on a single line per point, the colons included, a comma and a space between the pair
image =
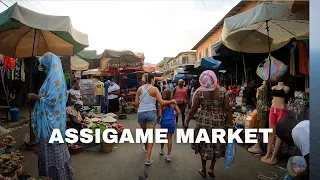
x: 14, y: 114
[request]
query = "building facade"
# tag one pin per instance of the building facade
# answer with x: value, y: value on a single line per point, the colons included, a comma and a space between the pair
x: 204, y: 46
x: 181, y: 60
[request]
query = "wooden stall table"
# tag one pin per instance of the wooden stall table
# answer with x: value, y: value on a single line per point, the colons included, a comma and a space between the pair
x: 5, y: 109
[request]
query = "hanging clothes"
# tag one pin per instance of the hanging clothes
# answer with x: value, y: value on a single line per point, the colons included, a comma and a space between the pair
x: 17, y: 69
x: 297, y: 60
x: 8, y: 74
x: 292, y: 59
x: 23, y: 75
x: 9, y: 62
x: 303, y: 58
x: 1, y: 59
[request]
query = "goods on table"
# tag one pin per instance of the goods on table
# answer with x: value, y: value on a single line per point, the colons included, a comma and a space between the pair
x: 100, y: 126
x: 109, y: 119
x: 6, y: 143
x: 240, y: 119
x: 9, y: 163
x: 118, y: 127
x: 87, y: 91
x: 111, y: 114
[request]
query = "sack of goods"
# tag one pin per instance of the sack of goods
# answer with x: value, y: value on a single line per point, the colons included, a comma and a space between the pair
x: 278, y: 69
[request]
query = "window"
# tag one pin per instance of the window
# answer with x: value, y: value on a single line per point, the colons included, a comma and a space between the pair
x: 185, y: 60
x: 200, y: 56
x: 174, y: 62
x: 207, y: 52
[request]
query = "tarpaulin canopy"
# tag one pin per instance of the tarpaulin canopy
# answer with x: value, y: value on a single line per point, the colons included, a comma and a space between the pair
x: 25, y: 33
x: 78, y: 64
x: 249, y: 31
x: 148, y: 67
x: 91, y: 57
x: 208, y: 63
x: 120, y: 59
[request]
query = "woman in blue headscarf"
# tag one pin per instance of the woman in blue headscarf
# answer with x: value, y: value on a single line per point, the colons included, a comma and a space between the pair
x: 54, y: 160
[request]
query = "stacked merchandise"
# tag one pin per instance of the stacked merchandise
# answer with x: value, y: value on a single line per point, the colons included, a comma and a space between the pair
x: 87, y: 92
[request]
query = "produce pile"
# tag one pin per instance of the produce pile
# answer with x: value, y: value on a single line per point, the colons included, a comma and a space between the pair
x: 118, y: 127
x: 9, y: 163
x: 100, y: 126
x: 6, y: 143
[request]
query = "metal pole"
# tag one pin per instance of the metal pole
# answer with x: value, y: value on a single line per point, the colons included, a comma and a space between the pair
x: 32, y: 137
x: 269, y: 51
x: 236, y: 72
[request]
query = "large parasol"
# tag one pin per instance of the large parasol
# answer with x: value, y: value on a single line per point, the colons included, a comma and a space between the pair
x: 25, y: 33
x: 265, y: 28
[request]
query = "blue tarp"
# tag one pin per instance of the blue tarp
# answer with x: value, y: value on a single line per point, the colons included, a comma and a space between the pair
x: 210, y: 63
x: 183, y: 76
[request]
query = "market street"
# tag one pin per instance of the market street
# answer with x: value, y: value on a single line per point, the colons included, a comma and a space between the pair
x: 126, y: 161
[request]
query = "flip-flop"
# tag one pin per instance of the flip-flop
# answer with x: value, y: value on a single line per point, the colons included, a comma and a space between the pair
x: 272, y: 162
x: 201, y: 173
x: 148, y: 163
x: 211, y: 174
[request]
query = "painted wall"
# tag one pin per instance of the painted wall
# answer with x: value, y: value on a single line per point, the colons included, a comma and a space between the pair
x: 215, y: 37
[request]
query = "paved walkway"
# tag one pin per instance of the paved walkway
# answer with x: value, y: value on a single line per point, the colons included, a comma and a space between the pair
x: 127, y: 162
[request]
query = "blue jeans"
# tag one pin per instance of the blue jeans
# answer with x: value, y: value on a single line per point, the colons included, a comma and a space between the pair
x: 148, y: 117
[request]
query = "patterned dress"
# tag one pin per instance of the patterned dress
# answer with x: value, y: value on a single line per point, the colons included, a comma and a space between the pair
x: 54, y: 160
x: 262, y: 109
x: 210, y: 116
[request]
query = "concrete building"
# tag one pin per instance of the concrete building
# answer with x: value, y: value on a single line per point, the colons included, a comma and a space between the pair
x: 181, y: 60
x: 162, y: 66
x: 204, y: 46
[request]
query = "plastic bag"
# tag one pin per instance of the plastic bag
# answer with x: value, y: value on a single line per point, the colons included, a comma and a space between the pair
x: 230, y: 153
x: 278, y: 69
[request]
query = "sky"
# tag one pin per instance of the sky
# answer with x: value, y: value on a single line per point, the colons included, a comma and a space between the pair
x: 156, y: 28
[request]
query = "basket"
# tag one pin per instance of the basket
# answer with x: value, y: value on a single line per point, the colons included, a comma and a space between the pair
x: 106, y: 147
x: 128, y: 110
x: 122, y: 116
x: 19, y: 171
x: 76, y: 150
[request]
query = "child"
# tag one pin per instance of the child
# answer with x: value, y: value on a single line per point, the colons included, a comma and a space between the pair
x: 167, y: 116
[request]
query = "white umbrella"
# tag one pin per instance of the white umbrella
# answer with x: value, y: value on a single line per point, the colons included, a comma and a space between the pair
x: 265, y: 28
x: 249, y: 31
x: 92, y: 72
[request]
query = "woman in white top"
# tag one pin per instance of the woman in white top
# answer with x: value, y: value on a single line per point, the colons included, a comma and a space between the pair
x: 145, y: 100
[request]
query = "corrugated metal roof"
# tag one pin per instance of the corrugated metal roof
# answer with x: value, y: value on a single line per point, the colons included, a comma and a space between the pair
x: 232, y: 12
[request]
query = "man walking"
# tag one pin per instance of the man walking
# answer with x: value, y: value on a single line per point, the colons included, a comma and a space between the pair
x: 113, y: 96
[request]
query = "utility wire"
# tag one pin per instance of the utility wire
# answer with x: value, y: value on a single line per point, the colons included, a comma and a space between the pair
x: 4, y: 3
x: 204, y: 5
x: 42, y: 6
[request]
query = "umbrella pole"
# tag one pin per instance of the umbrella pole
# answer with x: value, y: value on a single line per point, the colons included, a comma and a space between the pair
x: 269, y: 51
x: 32, y: 137
x: 237, y: 72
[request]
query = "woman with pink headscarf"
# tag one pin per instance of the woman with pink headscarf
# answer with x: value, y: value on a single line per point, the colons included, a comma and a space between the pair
x: 214, y: 108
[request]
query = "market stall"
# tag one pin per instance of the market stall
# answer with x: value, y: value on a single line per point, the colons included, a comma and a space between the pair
x: 272, y: 27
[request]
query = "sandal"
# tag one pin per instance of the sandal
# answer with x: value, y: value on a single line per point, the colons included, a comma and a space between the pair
x: 202, y: 172
x: 148, y: 163
x: 211, y: 174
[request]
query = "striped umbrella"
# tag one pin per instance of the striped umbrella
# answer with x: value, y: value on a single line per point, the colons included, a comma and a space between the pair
x: 278, y: 69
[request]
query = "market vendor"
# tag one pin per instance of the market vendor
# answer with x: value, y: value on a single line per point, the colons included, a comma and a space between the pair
x: 74, y: 118
x: 74, y: 94
x: 113, y: 96
x: 298, y: 134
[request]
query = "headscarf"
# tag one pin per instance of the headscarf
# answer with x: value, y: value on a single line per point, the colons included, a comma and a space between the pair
x: 208, y: 81
x: 79, y: 102
x: 50, y: 111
